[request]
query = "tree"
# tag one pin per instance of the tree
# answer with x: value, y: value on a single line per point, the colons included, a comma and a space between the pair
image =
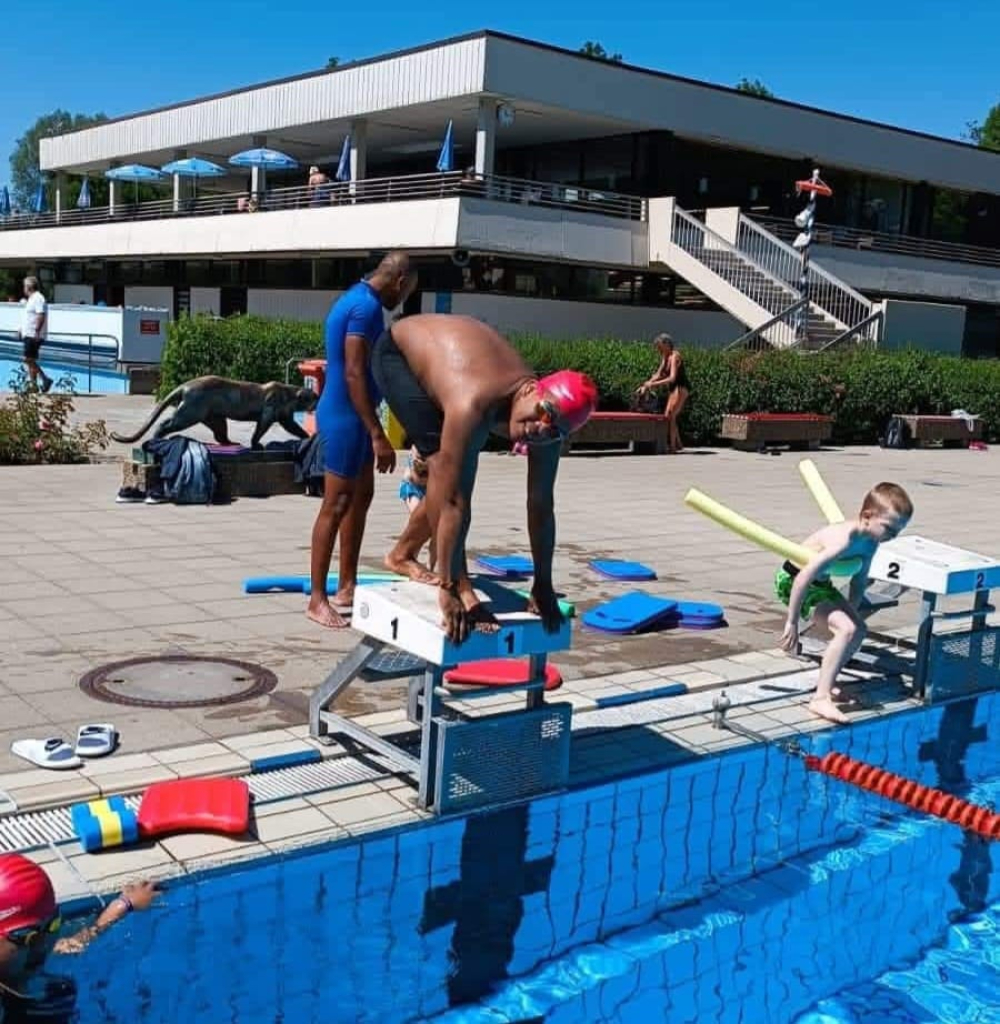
x: 24, y: 170
x: 591, y: 49
x: 754, y: 87
x: 986, y: 133
x: 332, y: 62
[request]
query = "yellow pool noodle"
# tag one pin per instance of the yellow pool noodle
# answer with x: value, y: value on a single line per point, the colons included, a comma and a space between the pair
x: 761, y: 535
x: 818, y: 489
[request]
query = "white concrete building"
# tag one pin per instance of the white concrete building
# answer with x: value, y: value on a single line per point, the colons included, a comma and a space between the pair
x: 589, y: 198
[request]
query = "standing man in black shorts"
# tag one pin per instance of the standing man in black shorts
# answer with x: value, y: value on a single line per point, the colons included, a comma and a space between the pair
x: 451, y: 381
x: 34, y: 331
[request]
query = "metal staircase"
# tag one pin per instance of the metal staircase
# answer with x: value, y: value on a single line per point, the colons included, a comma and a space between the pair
x: 755, y: 277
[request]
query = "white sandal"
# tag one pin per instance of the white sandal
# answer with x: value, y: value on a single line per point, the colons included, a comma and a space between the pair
x: 52, y: 753
x: 96, y: 740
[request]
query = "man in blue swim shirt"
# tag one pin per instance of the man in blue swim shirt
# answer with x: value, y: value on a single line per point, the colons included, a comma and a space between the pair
x: 354, y: 443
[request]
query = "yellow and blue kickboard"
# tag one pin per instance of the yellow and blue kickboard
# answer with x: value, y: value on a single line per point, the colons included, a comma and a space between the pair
x: 101, y: 824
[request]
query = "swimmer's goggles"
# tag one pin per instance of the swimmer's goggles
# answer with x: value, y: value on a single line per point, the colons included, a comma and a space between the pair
x: 548, y: 415
x: 28, y: 936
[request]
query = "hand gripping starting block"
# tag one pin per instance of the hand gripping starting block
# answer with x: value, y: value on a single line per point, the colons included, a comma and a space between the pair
x: 464, y: 762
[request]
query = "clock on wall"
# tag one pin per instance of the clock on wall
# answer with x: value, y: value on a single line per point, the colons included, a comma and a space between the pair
x: 505, y: 115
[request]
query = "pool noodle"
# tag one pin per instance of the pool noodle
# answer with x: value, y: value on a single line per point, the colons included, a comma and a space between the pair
x: 818, y: 489
x: 761, y: 535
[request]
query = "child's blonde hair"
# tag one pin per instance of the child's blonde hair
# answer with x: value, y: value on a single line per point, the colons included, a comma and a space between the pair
x: 886, y: 497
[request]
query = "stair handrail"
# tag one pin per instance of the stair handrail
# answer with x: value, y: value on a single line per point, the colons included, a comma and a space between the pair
x: 870, y: 337
x: 789, y: 261
x: 724, y: 244
x: 751, y: 338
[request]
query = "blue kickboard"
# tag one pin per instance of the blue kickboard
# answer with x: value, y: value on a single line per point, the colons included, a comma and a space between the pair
x: 615, y: 569
x: 506, y: 565
x: 303, y: 585
x: 699, y: 611
x: 630, y: 613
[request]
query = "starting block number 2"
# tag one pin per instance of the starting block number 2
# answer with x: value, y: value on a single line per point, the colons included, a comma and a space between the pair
x: 508, y: 638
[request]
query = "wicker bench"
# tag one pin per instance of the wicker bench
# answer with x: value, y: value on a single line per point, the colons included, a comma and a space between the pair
x: 754, y: 430
x: 646, y: 432
x: 950, y: 431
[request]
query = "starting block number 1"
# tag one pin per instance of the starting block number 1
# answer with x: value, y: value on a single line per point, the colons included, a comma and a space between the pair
x: 508, y: 639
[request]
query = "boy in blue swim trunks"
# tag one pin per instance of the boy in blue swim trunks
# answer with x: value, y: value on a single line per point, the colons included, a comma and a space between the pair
x: 808, y: 592
x: 413, y: 490
x: 354, y: 443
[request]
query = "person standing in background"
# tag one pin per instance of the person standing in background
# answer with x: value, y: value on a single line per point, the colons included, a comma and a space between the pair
x: 34, y: 331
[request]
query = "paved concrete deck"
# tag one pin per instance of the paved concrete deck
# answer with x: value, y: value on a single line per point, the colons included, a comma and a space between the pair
x: 84, y: 581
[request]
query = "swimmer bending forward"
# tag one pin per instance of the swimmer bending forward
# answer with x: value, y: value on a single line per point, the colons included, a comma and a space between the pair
x: 451, y: 381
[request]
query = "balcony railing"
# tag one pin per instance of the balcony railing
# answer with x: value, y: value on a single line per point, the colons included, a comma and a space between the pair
x: 879, y: 241
x: 369, y: 190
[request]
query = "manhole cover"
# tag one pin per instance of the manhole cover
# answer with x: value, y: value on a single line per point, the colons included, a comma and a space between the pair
x: 178, y: 681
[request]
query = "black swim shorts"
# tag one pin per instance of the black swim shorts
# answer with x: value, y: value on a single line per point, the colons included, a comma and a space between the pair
x: 32, y: 346
x: 410, y: 404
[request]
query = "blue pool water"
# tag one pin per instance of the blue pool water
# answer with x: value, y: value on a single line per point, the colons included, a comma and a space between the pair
x: 737, y: 889
x: 100, y: 380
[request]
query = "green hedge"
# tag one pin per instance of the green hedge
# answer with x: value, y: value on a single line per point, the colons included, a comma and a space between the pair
x: 240, y: 347
x: 861, y: 390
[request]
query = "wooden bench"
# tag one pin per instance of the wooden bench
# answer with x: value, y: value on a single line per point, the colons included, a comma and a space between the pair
x: 950, y: 431
x: 646, y: 432
x: 753, y: 430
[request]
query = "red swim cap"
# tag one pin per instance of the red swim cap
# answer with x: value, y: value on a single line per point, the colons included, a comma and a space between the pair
x: 26, y: 894
x: 574, y: 394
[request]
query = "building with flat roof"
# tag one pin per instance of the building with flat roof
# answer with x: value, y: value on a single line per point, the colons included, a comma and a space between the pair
x: 588, y: 198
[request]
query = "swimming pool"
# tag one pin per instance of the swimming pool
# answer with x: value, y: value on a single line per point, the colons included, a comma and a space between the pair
x: 739, y: 888
x: 99, y: 380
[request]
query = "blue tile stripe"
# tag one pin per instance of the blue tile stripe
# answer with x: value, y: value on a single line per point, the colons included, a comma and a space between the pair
x: 671, y: 690
x: 293, y: 760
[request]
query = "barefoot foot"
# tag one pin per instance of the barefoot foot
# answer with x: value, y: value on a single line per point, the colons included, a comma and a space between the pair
x: 410, y: 568
x: 825, y: 708
x: 343, y: 601
x: 323, y: 614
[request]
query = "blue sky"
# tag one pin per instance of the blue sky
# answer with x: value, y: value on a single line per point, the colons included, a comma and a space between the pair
x: 909, y: 63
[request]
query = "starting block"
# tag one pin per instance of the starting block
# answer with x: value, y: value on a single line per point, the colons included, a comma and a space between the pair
x: 948, y: 664
x: 464, y: 762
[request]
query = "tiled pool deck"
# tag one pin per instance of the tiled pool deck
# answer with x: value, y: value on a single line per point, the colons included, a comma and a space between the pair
x: 84, y: 581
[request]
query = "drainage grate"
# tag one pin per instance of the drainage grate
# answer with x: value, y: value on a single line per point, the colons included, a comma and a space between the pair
x: 178, y: 681
x: 32, y: 830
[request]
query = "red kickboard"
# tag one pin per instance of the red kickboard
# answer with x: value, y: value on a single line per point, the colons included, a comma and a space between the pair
x: 195, y: 805
x: 499, y: 672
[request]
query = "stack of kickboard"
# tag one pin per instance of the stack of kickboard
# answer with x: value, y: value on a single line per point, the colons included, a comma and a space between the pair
x: 639, y: 612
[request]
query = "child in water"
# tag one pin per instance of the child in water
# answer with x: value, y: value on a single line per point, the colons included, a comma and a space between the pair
x: 413, y: 490
x: 807, y: 591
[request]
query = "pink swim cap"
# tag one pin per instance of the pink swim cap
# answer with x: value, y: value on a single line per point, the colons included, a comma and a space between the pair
x: 26, y: 894
x: 574, y: 395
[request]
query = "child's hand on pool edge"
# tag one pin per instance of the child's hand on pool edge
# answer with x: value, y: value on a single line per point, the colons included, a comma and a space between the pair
x: 140, y: 895
x: 790, y: 637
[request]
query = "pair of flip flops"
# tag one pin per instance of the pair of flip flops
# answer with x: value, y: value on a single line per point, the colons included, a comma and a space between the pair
x: 55, y: 753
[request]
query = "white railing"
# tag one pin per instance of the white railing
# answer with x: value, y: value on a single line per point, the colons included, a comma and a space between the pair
x: 737, y: 269
x: 781, y: 331
x: 834, y: 297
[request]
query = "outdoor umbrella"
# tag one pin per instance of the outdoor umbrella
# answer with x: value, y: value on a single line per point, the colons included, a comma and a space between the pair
x: 4, y: 202
x: 39, y: 203
x: 194, y: 167
x: 269, y: 159
x: 446, y: 158
x: 136, y: 173
x: 83, y: 199
x: 344, y: 167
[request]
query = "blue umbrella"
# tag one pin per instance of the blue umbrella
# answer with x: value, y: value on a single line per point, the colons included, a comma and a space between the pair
x: 194, y: 167
x: 344, y: 167
x: 136, y: 173
x: 4, y: 202
x: 269, y: 159
x: 83, y: 200
x: 39, y: 203
x: 446, y: 158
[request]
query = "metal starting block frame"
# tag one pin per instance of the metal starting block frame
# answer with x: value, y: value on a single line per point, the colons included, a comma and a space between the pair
x: 945, y: 665
x: 463, y: 763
